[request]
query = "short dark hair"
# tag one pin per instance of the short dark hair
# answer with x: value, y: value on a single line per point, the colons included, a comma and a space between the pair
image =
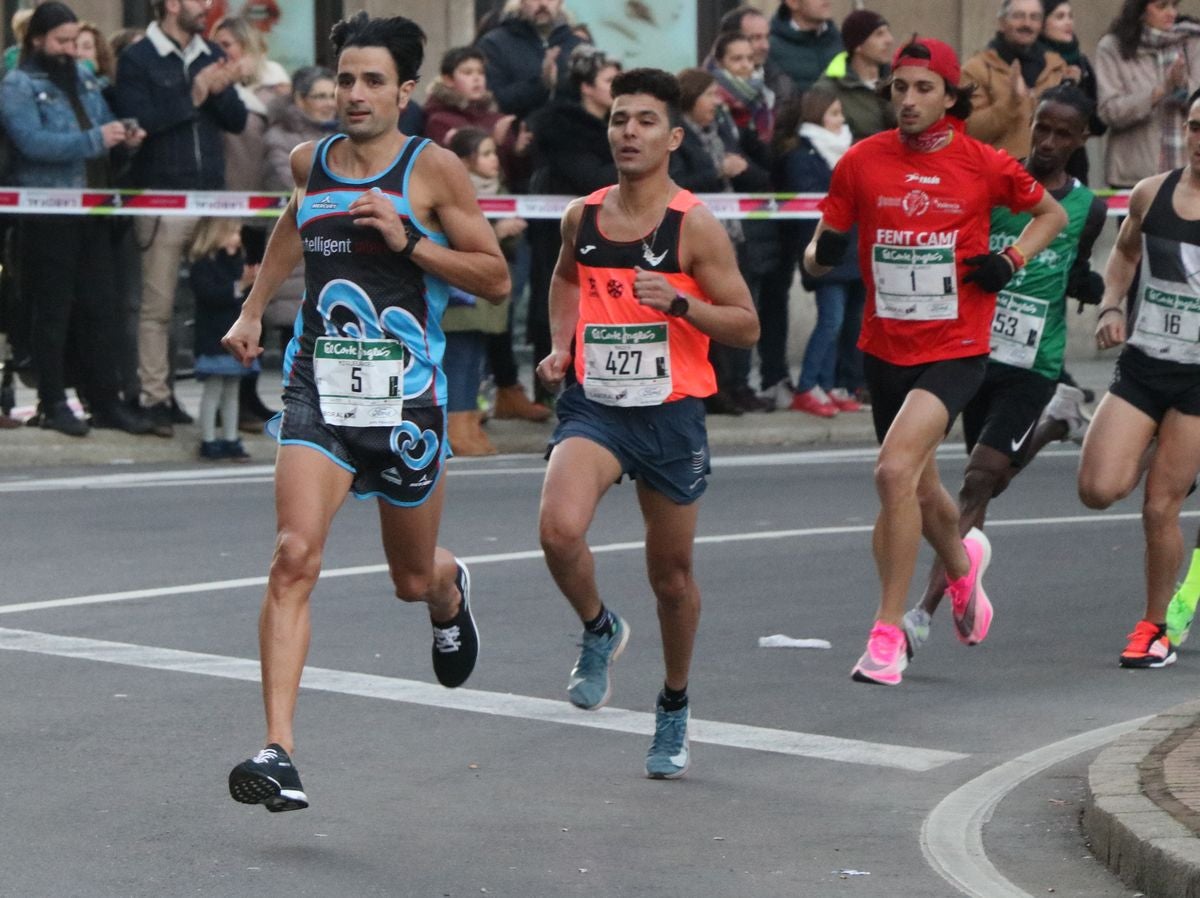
x: 724, y: 39
x: 456, y: 56
x: 1191, y: 101
x: 401, y: 37
x: 962, y: 106
x: 1069, y: 94
x: 466, y: 141
x: 732, y: 20
x: 692, y: 83
x: 652, y: 82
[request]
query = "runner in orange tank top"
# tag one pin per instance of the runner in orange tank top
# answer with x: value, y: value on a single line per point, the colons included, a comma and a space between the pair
x: 645, y: 278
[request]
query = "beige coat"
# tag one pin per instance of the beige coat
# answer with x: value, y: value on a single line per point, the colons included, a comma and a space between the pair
x: 1135, y: 125
x: 999, y: 116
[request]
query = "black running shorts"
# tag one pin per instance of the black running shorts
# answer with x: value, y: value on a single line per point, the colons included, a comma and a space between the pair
x: 953, y: 381
x: 1153, y: 385
x: 1004, y: 412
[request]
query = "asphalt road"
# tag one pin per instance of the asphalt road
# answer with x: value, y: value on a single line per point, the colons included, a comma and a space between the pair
x: 127, y: 629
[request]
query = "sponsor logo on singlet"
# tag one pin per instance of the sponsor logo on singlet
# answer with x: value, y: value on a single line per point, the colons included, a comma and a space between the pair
x: 325, y: 203
x: 324, y: 246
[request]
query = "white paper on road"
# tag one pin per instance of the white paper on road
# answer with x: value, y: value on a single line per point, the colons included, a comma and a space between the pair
x: 779, y: 641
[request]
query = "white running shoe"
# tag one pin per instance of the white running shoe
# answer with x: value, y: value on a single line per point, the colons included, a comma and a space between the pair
x: 1066, y: 405
x: 916, y: 627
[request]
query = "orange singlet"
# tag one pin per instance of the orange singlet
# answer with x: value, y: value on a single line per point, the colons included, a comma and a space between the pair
x: 636, y: 355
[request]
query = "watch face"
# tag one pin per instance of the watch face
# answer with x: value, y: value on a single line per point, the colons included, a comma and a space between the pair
x: 679, y: 307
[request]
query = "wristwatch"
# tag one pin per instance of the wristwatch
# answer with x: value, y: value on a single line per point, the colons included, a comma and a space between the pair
x: 679, y: 306
x: 413, y: 237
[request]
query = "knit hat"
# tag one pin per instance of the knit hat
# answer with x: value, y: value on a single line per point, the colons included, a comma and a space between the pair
x: 942, y: 59
x: 46, y: 18
x: 860, y: 25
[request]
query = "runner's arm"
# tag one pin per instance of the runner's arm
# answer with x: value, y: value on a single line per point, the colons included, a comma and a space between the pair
x: 1123, y: 264
x: 832, y: 241
x: 730, y: 317
x: 564, y: 302
x: 284, y: 252
x: 473, y: 262
x: 1049, y: 218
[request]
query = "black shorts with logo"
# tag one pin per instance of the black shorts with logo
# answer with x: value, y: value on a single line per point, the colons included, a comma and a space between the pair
x: 1155, y: 385
x: 1004, y: 412
x: 400, y: 464
x: 953, y: 381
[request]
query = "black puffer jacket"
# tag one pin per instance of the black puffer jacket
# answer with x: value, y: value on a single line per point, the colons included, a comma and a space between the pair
x: 571, y: 151
x: 514, y: 52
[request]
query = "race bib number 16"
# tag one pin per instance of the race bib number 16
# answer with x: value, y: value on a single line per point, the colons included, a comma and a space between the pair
x: 361, y: 382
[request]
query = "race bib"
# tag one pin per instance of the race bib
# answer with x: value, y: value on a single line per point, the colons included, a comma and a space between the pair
x: 1168, y: 325
x: 360, y: 382
x: 915, y: 283
x: 1017, y: 328
x: 626, y: 364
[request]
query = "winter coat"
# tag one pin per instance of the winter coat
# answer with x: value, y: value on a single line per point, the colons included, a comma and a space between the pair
x: 571, y: 151
x: 998, y: 116
x: 514, y: 51
x: 802, y: 55
x: 50, y: 149
x: 214, y: 281
x: 1135, y: 125
x: 866, y: 112
x: 245, y: 151
x: 447, y: 110
x: 183, y: 149
x: 804, y: 170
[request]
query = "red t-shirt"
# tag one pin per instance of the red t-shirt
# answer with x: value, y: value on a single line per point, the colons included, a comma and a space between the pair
x: 919, y: 215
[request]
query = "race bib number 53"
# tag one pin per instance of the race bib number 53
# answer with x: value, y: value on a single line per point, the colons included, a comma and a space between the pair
x: 360, y: 382
x: 626, y: 364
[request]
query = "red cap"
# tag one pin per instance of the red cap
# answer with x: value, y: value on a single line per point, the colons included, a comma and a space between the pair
x: 942, y: 59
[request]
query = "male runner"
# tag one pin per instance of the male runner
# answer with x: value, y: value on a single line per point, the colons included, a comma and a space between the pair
x: 1029, y: 332
x: 922, y: 196
x: 645, y: 277
x: 1155, y: 392
x: 384, y: 222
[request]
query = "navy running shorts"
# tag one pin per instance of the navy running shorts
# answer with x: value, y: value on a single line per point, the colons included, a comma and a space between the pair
x: 399, y: 464
x: 1004, y: 413
x: 1153, y: 385
x: 953, y: 381
x: 665, y: 446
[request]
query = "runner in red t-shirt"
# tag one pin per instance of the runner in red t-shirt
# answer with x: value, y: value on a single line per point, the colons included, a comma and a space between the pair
x: 922, y: 196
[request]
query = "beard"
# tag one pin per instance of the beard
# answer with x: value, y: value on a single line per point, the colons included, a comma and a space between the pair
x: 61, y: 69
x: 191, y: 24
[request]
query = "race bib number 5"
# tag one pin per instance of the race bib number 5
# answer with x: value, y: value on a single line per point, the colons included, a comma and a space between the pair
x: 626, y: 364
x: 915, y: 283
x: 360, y: 382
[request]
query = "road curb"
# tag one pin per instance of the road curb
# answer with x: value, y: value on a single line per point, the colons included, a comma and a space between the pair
x: 1133, y: 818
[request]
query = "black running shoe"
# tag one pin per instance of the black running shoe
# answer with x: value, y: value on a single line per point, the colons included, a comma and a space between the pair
x: 269, y: 779
x: 456, y: 644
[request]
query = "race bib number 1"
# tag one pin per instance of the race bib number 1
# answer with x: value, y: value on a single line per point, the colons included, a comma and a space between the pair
x: 360, y: 382
x: 915, y: 283
x: 1017, y: 328
x: 626, y: 364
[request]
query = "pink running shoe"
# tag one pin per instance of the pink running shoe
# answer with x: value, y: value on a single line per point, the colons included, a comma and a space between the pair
x: 971, y: 608
x: 885, y: 657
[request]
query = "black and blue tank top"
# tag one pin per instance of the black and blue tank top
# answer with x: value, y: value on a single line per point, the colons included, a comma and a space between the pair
x: 355, y: 286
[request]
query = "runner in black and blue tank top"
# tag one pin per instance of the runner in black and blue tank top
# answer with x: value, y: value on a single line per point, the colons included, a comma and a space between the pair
x: 384, y: 223
x: 1154, y: 399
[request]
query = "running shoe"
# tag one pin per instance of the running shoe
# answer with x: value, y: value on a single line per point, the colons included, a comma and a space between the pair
x: 456, y: 643
x: 814, y: 402
x: 841, y: 397
x: 885, y: 658
x: 668, y: 756
x: 1066, y: 405
x: 1179, y: 618
x: 1148, y: 647
x: 270, y: 779
x: 779, y: 394
x: 916, y: 629
x: 590, y: 685
x: 969, y: 603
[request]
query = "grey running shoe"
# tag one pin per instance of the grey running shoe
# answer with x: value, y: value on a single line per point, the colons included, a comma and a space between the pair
x: 916, y: 627
x: 590, y: 687
x: 1066, y: 405
x: 668, y: 757
x: 269, y: 779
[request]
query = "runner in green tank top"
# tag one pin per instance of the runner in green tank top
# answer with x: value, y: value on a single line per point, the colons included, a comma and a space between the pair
x: 1029, y: 331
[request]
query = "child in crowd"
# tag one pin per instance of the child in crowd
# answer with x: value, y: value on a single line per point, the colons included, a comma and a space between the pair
x: 467, y: 322
x: 811, y: 136
x: 220, y: 279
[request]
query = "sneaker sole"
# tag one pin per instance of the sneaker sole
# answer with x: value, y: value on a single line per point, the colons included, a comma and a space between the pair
x: 624, y: 640
x: 252, y: 788
x: 669, y: 776
x: 859, y: 677
x: 1147, y: 663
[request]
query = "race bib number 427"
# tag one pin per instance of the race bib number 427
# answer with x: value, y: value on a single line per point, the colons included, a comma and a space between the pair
x: 626, y: 364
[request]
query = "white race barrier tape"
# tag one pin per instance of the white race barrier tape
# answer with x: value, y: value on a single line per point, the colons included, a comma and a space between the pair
x: 212, y: 203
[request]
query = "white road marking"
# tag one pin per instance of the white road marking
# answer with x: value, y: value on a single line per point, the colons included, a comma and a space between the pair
x: 532, y: 554
x: 952, y: 834
x: 711, y: 732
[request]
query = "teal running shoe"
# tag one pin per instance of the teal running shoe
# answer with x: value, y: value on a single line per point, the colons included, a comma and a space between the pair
x: 668, y: 756
x: 590, y: 685
x: 1179, y: 618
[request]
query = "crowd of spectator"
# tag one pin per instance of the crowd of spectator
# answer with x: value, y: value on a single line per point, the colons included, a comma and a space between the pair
x: 89, y: 303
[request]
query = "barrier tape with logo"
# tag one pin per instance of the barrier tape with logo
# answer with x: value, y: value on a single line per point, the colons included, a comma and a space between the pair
x: 47, y: 201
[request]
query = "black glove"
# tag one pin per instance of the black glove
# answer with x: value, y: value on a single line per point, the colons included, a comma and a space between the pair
x: 831, y: 247
x: 991, y: 271
x: 1088, y: 288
